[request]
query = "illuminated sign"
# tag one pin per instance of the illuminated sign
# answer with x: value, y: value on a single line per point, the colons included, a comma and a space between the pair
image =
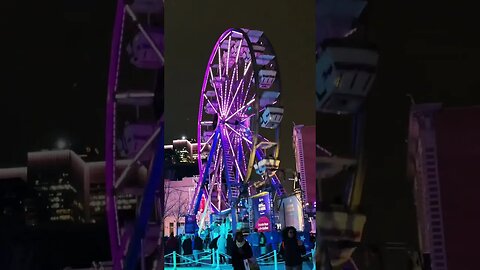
x: 261, y: 206
x: 263, y: 224
x: 190, y: 224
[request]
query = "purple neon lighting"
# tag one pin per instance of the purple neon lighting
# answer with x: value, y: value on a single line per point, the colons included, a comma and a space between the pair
x: 247, y: 67
x: 235, y: 95
x: 206, y: 142
x: 208, y: 100
x: 238, y: 54
x: 231, y: 105
x: 224, y: 96
x: 234, y: 156
x: 228, y: 51
x: 238, y: 133
x: 215, y: 90
x: 204, y: 85
x: 246, y: 90
x: 110, y: 136
x: 241, y: 109
x: 219, y: 62
x: 235, y: 72
x: 229, y: 96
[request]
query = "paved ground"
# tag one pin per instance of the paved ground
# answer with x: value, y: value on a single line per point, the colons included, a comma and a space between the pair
x: 281, y: 266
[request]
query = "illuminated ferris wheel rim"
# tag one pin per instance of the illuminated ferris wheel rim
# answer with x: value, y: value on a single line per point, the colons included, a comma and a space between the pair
x: 223, y: 114
x: 235, y: 100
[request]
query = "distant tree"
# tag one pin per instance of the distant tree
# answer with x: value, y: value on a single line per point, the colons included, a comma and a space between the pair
x: 176, y: 202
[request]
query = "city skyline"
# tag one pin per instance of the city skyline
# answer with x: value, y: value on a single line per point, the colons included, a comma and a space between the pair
x: 63, y: 179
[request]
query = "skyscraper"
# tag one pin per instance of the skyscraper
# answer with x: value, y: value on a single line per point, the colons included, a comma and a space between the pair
x: 59, y: 186
x: 57, y: 178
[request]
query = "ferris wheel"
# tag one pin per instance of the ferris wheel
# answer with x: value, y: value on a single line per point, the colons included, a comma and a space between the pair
x: 238, y: 122
x: 134, y: 134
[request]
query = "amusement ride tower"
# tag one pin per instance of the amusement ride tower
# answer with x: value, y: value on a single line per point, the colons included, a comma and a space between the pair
x: 346, y: 69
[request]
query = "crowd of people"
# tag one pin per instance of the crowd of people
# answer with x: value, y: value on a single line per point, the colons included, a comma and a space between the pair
x: 239, y: 251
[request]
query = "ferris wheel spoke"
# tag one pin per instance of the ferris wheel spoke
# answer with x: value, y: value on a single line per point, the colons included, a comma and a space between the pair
x: 225, y: 96
x: 234, y: 77
x: 211, y: 104
x: 232, y: 81
x: 234, y: 157
x: 207, y: 142
x: 261, y: 136
x: 260, y: 111
x: 217, y: 94
x: 247, y: 68
x: 222, y: 104
x: 223, y: 82
x: 238, y: 50
x: 237, y: 56
x: 240, y: 140
x: 219, y: 62
x: 229, y: 96
x: 241, y: 109
x: 246, y: 118
x: 228, y: 52
x: 245, y: 91
x: 235, y: 95
x: 238, y: 133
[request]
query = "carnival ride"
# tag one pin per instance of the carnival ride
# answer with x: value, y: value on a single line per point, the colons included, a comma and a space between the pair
x: 134, y: 132
x: 239, y: 124
x: 345, y: 73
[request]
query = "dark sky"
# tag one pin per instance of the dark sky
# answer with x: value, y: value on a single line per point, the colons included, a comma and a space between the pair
x: 56, y: 66
x: 430, y: 50
x: 193, y: 27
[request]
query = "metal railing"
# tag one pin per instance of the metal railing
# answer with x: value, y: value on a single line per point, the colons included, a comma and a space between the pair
x: 268, y: 259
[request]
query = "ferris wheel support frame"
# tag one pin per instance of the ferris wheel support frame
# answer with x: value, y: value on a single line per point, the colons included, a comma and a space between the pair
x: 355, y: 189
x: 155, y: 181
x: 198, y: 199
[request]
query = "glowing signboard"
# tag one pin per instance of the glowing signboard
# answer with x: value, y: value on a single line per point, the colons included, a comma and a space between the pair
x: 261, y: 206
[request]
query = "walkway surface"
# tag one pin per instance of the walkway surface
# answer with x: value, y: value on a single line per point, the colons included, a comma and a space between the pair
x: 281, y: 266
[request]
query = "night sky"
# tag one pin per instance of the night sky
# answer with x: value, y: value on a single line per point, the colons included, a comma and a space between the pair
x: 56, y: 64
x: 193, y: 27
x: 430, y: 50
